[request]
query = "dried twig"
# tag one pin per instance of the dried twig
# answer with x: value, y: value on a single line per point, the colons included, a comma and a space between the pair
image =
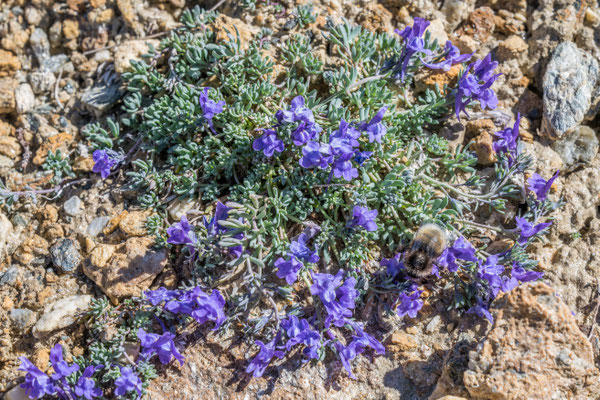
x: 596, y: 308
x: 56, y: 87
x: 219, y: 4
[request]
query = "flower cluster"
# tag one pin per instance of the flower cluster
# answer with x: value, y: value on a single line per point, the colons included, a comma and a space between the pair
x: 414, y: 50
x: 507, y: 143
x: 128, y: 382
x: 338, y: 153
x: 338, y: 298
x: 360, y: 341
x: 193, y: 302
x: 475, y: 84
x: 37, y: 384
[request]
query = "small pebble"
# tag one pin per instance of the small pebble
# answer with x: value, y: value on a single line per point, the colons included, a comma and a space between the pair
x: 433, y: 324
x: 73, y: 206
x: 65, y: 255
x: 97, y: 226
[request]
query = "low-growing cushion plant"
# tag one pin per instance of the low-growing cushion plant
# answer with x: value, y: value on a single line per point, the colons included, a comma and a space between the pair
x: 314, y: 171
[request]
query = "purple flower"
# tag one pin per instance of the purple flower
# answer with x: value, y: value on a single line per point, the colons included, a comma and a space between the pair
x: 507, y: 142
x: 210, y: 108
x: 289, y: 269
x: 86, y: 386
x: 540, y: 186
x: 37, y: 384
x: 393, y: 265
x: 475, y: 84
x: 297, y: 112
x: 337, y: 298
x: 261, y: 361
x: 342, y: 168
x: 490, y: 272
x: 509, y: 284
x: 268, y: 143
x: 523, y: 275
x: 346, y: 131
x: 159, y: 295
x: 209, y: 308
x: 361, y: 156
x: 60, y: 366
x: 305, y: 133
x: 162, y: 345
x: 409, y: 304
x: 482, y: 312
x: 300, y: 332
x: 199, y: 305
x: 104, y: 160
x: 452, y: 56
x: 182, y: 233
x: 460, y: 250
x: 364, y: 217
x: 414, y: 44
x: 221, y: 214
x: 300, y: 250
x: 346, y: 354
x: 361, y: 340
x: 528, y: 230
x: 374, y: 128
x: 316, y: 155
x: 127, y: 382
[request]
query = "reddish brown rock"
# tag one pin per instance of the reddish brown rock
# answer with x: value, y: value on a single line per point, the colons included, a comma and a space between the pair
x: 8, y: 63
x: 483, y: 146
x: 126, y: 269
x: 512, y: 48
x: 535, y: 350
x: 7, y: 95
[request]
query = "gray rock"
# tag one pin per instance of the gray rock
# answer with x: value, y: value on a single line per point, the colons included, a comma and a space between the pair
x: 97, y: 225
x: 101, y: 97
x: 73, y: 206
x: 16, y: 393
x: 33, y: 16
x: 9, y: 277
x: 42, y: 82
x: 569, y: 82
x: 578, y: 148
x: 56, y: 63
x: 24, y: 98
x: 40, y: 45
x: 22, y: 318
x: 61, y: 314
x: 65, y: 255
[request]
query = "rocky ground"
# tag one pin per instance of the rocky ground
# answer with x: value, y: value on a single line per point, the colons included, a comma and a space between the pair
x: 60, y: 63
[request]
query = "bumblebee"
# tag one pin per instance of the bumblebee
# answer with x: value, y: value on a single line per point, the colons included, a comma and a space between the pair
x: 427, y: 245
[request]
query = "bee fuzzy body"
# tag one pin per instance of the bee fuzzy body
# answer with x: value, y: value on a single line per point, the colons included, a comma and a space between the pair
x: 427, y: 245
